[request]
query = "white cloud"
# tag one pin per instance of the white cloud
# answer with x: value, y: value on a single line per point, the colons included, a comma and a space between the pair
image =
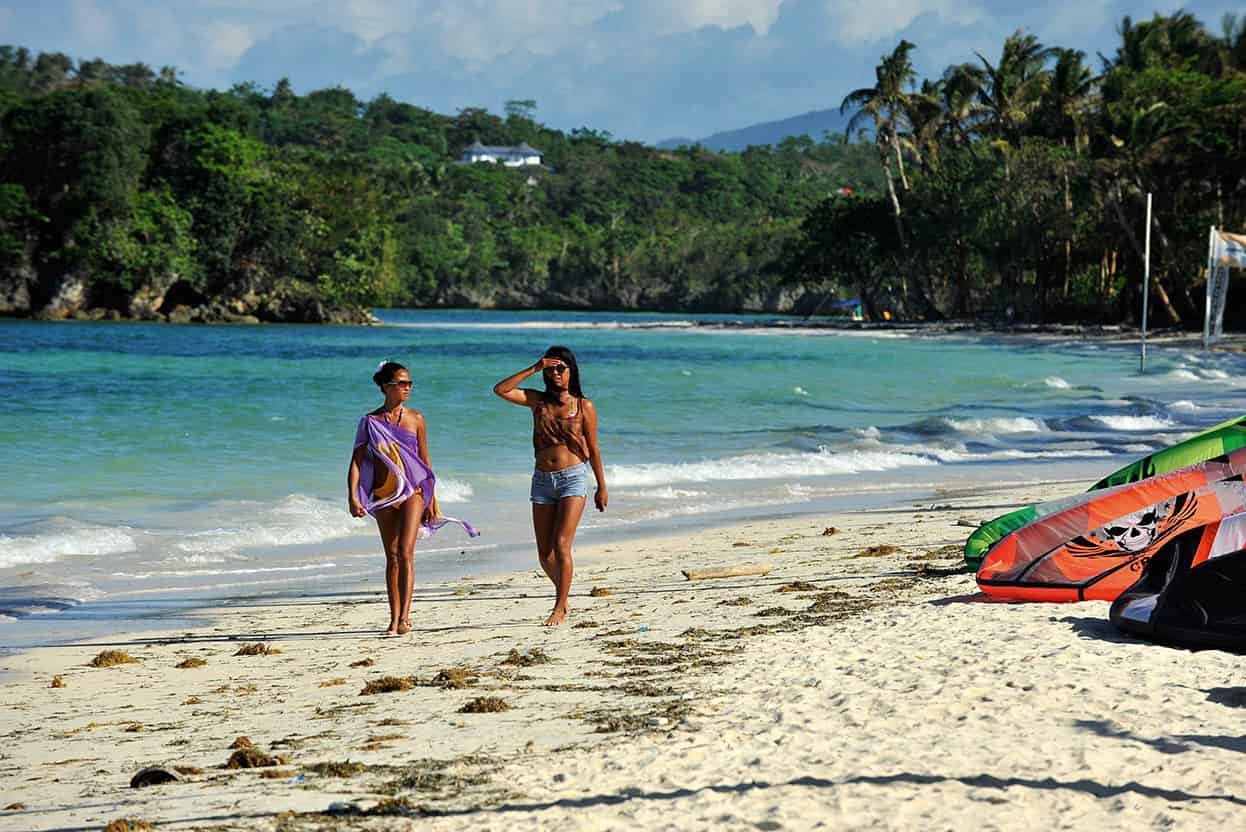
x: 872, y: 20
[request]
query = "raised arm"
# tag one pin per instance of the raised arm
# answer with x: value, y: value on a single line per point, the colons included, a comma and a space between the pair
x: 507, y: 387
x: 594, y: 453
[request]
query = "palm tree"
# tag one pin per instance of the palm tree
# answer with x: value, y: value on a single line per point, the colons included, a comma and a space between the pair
x: 883, y: 104
x: 1014, y: 86
x: 960, y: 90
x: 1066, y: 104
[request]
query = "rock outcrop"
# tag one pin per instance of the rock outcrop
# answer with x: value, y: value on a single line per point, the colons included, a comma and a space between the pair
x: 72, y: 296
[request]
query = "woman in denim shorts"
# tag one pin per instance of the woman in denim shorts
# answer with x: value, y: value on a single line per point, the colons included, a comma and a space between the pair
x: 564, y: 436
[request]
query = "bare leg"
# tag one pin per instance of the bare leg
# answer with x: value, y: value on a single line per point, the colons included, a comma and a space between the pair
x: 389, y: 522
x: 561, y: 565
x: 411, y: 511
x: 544, y: 523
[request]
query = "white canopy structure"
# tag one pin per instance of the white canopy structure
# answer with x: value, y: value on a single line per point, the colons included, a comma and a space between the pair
x: 1224, y: 251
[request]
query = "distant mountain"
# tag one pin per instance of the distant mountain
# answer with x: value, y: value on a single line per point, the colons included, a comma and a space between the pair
x: 813, y: 124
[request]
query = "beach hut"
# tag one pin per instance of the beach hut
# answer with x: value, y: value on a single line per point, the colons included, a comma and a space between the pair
x: 851, y: 308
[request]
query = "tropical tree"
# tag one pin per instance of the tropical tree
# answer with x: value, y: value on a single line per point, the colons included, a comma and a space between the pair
x: 883, y: 104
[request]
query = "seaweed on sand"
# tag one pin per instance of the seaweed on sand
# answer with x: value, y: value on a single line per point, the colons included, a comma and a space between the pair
x: 253, y: 758
x: 452, y: 678
x: 485, y: 705
x: 343, y: 769
x: 387, y: 684
x: 186, y: 664
x: 534, y: 656
x: 257, y: 649
x: 128, y: 825
x: 109, y: 658
x: 443, y: 779
x: 877, y: 551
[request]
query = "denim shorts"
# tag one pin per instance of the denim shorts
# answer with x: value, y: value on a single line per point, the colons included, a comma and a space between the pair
x: 548, y: 487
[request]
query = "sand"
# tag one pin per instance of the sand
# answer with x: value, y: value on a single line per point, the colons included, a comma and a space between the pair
x: 845, y: 689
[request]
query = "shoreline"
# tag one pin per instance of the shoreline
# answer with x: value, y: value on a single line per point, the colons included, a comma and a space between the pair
x: 156, y: 612
x: 776, y: 321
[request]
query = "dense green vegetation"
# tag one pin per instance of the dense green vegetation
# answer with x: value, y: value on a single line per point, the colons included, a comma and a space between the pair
x: 1012, y: 182
x: 164, y: 195
x: 1020, y: 180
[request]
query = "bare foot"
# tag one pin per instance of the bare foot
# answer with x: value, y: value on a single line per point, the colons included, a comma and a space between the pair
x: 556, y: 617
x: 404, y: 627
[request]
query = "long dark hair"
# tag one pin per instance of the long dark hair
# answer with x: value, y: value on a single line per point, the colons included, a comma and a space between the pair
x: 385, y: 373
x: 566, y: 356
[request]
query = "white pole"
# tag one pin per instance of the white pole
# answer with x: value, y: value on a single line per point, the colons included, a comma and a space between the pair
x: 1146, y: 282
x: 1211, y: 263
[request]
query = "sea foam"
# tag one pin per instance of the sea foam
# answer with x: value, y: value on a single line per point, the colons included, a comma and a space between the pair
x: 73, y: 542
x: 1130, y: 423
x: 763, y: 466
x: 1016, y: 424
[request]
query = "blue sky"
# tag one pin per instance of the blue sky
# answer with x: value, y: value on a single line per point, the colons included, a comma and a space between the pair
x: 642, y: 69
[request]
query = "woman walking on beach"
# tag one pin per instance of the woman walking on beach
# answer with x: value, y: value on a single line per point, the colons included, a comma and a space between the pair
x: 391, y: 478
x: 564, y: 436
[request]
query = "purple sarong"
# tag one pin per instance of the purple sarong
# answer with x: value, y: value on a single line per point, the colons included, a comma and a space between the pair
x: 398, y: 450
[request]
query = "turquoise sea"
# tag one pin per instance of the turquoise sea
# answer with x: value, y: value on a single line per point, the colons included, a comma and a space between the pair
x: 149, y: 468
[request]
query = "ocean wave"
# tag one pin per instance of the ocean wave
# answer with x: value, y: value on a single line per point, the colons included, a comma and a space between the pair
x: 950, y: 455
x: 1213, y: 374
x: 1015, y: 424
x: 1130, y: 423
x: 666, y: 493
x: 763, y: 466
x: 53, y: 545
x: 1185, y: 375
x: 1185, y: 406
x: 296, y: 520
x: 453, y: 491
x: 1056, y: 382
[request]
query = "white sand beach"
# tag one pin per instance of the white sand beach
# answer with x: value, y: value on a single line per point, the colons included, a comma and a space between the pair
x: 849, y: 688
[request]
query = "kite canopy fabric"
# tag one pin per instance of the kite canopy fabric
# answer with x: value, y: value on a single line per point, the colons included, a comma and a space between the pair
x: 1189, y: 600
x: 402, y: 473
x: 1211, y: 443
x: 1095, y: 548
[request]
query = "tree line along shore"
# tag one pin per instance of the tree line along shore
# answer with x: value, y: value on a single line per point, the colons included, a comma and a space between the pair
x: 1009, y: 188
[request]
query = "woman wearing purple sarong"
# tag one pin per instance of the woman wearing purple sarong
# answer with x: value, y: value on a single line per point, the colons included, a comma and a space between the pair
x: 564, y: 438
x: 391, y: 478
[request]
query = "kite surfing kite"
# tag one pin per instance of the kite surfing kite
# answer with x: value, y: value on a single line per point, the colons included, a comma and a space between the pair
x: 1095, y: 546
x: 1211, y: 443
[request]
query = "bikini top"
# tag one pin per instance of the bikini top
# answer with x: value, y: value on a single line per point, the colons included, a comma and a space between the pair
x: 550, y: 429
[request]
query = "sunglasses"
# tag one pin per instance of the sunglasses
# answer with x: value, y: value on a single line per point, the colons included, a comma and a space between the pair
x: 397, y: 384
x: 558, y: 368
